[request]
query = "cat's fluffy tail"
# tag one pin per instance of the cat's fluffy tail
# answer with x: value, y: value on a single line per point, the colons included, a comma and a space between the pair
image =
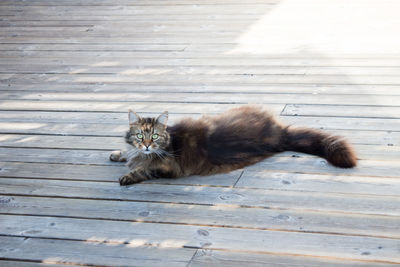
x: 334, y: 149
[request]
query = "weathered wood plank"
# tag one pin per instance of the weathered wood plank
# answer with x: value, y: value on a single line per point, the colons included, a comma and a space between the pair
x: 139, y: 235
x: 139, y: 17
x: 62, y: 171
x: 86, y: 47
x: 209, y: 257
x: 210, y: 71
x: 243, y: 79
x: 317, y: 165
x: 102, y: 173
x: 119, y: 117
x: 196, y: 88
x: 109, y: 31
x: 128, y: 3
x: 49, y: 12
x: 65, y: 156
x: 319, y: 183
x: 203, y: 98
x: 222, y: 60
x: 358, y: 123
x: 315, y: 201
x: 155, y: 25
x: 186, y: 49
x: 63, y: 142
x: 105, y: 106
x: 200, y: 215
x: 19, y: 263
x: 342, y: 111
x: 95, y: 253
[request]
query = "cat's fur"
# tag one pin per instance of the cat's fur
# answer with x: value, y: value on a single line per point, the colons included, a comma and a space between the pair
x: 219, y: 144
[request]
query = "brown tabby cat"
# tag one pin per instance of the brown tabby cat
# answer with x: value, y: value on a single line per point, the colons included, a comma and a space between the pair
x: 219, y: 144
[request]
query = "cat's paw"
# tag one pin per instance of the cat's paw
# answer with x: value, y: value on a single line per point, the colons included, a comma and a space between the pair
x: 116, y: 156
x: 126, y: 179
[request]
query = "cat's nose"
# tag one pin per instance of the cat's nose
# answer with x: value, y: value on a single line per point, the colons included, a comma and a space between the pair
x: 146, y: 144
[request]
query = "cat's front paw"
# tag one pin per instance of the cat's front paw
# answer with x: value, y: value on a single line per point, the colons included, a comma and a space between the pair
x: 117, y: 156
x: 126, y: 179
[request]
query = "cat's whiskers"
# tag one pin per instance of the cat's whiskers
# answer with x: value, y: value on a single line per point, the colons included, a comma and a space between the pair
x: 160, y: 153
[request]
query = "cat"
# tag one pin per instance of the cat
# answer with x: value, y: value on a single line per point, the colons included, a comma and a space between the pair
x: 218, y: 144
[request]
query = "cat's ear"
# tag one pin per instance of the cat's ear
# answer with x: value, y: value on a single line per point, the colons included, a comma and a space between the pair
x: 133, y: 117
x: 163, y: 118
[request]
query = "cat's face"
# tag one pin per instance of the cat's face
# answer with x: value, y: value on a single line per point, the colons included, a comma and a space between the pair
x: 148, y: 135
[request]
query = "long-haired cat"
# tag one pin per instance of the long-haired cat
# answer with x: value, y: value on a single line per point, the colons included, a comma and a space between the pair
x: 219, y: 144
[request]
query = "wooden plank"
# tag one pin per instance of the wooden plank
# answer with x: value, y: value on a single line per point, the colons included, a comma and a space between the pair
x: 159, y: 25
x: 175, y: 71
x: 233, y: 197
x: 219, y: 104
x: 64, y: 171
x: 317, y: 165
x: 199, y: 78
x: 65, y: 156
x: 63, y: 142
x: 203, y: 98
x: 203, y: 88
x: 319, y: 183
x: 108, y: 173
x: 9, y: 263
x: 124, y: 30
x: 172, y: 60
x: 90, y: 32
x: 187, y: 50
x: 123, y: 107
x: 183, y: 50
x: 116, y: 118
x: 341, y: 111
x: 95, y: 253
x: 201, y: 216
x: 63, y: 11
x: 387, y: 138
x: 344, y: 123
x: 128, y: 3
x: 209, y: 257
x: 139, y: 17
x: 90, y: 47
x: 139, y: 235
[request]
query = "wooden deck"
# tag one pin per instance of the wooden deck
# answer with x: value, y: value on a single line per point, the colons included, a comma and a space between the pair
x: 70, y: 69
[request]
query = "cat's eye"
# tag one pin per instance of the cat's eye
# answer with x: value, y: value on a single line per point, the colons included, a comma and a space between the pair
x: 154, y: 136
x: 139, y: 135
